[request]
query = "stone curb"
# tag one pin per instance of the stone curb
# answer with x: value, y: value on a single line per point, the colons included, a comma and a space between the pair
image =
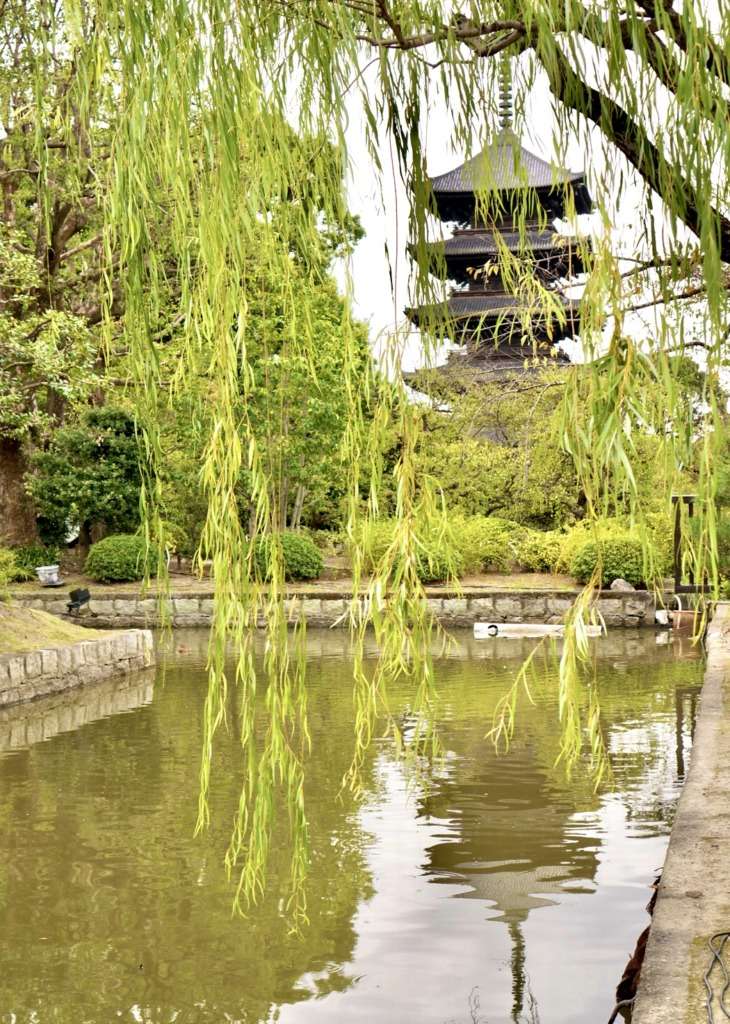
x: 325, y: 608
x: 34, y: 674
x: 694, y: 896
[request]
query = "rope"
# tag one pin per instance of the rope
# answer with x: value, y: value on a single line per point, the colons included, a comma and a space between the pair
x: 717, y: 947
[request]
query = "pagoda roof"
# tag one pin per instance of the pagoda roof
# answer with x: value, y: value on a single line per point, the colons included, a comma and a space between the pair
x: 472, y: 303
x: 470, y: 312
x: 476, y: 242
x: 503, y: 165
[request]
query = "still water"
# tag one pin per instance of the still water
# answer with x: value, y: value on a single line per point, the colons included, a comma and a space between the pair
x: 499, y: 883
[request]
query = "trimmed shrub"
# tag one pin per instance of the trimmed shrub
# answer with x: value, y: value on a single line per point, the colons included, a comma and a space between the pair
x: 437, y: 560
x: 470, y: 544
x: 620, y: 558
x: 538, y: 551
x: 487, y: 542
x: 438, y: 565
x: 585, y: 531
x: 120, y: 558
x: 302, y: 558
x: 28, y: 556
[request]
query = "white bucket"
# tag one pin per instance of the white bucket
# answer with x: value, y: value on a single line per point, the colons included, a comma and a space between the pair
x: 48, y: 575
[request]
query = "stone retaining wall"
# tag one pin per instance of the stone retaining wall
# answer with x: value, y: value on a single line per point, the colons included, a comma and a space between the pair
x: 326, y: 608
x: 52, y: 670
x: 693, y: 901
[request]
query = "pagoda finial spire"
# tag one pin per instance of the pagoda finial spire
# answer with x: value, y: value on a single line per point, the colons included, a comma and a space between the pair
x: 505, y: 93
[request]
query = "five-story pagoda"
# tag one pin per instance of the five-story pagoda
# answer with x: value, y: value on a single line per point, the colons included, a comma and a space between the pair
x: 504, y: 256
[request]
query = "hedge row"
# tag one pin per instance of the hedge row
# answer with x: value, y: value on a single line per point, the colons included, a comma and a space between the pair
x: 470, y: 545
x: 465, y: 545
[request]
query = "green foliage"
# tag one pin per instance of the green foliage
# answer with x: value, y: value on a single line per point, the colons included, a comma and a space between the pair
x: 28, y: 557
x: 486, y: 542
x: 583, y: 532
x: 120, y: 558
x: 722, y: 500
x: 197, y: 140
x: 8, y: 569
x: 89, y: 474
x: 619, y: 558
x: 438, y: 555
x: 469, y: 544
x: 498, y: 451
x: 302, y: 558
x: 46, y: 354
x: 540, y: 551
x: 329, y: 542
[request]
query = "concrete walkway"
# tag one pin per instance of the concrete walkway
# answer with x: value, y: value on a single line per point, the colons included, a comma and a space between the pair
x: 694, y: 896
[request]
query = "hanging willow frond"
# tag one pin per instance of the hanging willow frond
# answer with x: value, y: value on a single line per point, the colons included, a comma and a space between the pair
x: 225, y: 129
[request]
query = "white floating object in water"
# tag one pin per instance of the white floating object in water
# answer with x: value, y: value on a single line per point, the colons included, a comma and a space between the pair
x: 518, y: 630
x: 661, y: 617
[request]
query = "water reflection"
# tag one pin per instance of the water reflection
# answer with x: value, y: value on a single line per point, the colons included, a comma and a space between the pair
x: 40, y: 720
x: 109, y: 909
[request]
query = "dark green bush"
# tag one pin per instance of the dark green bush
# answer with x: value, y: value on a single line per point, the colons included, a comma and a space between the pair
x: 29, y: 556
x: 302, y: 558
x: 89, y: 474
x: 620, y: 557
x: 119, y: 558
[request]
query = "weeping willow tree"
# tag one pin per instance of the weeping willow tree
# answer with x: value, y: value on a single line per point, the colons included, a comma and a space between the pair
x: 195, y: 101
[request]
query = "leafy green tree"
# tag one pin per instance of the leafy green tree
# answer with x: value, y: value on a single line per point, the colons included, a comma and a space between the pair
x: 299, y: 407
x: 47, y: 358
x: 88, y: 477
x: 54, y: 148
x: 498, y: 449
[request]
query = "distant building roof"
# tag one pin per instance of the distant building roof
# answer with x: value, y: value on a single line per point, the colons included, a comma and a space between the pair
x: 504, y: 164
x: 473, y: 314
x: 476, y: 243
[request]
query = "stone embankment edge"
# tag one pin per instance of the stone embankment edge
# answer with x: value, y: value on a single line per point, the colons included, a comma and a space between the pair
x: 694, y: 896
x: 35, y: 674
x: 322, y: 608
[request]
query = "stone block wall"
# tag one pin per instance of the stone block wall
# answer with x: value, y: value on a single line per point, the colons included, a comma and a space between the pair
x: 327, y: 608
x: 52, y: 670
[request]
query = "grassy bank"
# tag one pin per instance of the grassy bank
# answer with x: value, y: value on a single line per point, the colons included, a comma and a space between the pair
x: 26, y: 629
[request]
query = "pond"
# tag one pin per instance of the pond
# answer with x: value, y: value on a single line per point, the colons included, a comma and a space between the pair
x: 495, y: 883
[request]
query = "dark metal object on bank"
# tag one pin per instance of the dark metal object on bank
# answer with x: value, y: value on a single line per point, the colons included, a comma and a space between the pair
x: 79, y: 598
x: 679, y: 587
x: 717, y: 946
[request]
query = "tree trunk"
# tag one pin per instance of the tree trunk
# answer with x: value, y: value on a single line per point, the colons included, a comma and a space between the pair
x: 283, y: 503
x: 17, y: 516
x: 298, y: 506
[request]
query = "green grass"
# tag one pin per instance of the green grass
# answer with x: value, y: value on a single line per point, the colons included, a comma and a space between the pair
x: 28, y: 629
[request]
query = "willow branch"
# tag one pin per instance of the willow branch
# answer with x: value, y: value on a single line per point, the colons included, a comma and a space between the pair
x: 630, y: 138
